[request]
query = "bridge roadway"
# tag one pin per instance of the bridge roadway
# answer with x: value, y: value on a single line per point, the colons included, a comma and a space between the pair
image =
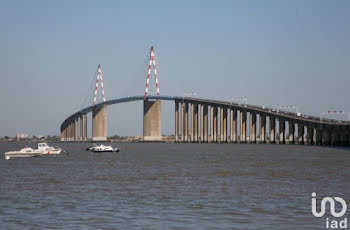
x: 194, y: 115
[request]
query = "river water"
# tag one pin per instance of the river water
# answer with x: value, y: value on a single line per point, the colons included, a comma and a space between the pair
x: 171, y: 186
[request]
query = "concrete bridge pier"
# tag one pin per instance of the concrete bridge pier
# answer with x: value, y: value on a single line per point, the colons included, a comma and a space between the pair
x: 331, y: 137
x: 185, y: 122
x: 215, y: 124
x: 233, y: 122
x: 99, y: 123
x: 211, y: 139
x: 282, y: 131
x: 73, y: 131
x: 225, y: 124
x: 176, y: 121
x: 221, y: 114
x: 202, y: 123
x: 310, y: 135
x: 196, y: 122
x: 243, y: 121
x: 252, y: 125
x: 301, y: 134
x: 192, y: 122
x: 205, y: 123
x: 318, y: 136
x: 81, y: 126
x: 85, y: 127
x: 262, y: 128
x: 183, y: 118
x: 291, y: 138
x: 272, y: 130
x: 69, y: 131
x: 326, y: 136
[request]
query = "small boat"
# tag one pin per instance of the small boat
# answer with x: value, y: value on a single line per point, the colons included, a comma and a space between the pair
x: 46, y: 149
x: 104, y: 148
x: 25, y: 152
x: 91, y: 148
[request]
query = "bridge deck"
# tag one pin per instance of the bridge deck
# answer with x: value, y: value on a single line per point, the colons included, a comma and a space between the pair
x: 243, y: 107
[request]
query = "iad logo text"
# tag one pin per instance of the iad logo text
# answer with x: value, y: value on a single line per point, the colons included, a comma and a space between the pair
x: 335, y: 223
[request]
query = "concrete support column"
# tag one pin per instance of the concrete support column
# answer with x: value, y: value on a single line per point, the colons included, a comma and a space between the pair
x: 291, y: 132
x: 205, y: 123
x: 282, y: 129
x: 176, y: 121
x: 211, y: 124
x: 99, y: 123
x: 252, y: 124
x: 182, y: 115
x: 77, y: 135
x: 152, y: 120
x: 192, y: 122
x: 66, y: 134
x: 327, y: 136
x: 202, y: 122
x: 243, y: 126
x: 225, y: 124
x: 318, y: 137
x: 81, y: 133
x: 63, y: 134
x: 332, y: 137
x: 69, y: 132
x: 301, y: 134
x: 185, y: 123
x: 85, y: 127
x: 74, y: 130
x: 272, y: 130
x: 215, y: 125
x: 262, y: 128
x: 233, y: 116
x: 310, y: 135
x: 221, y: 114
x: 195, y: 122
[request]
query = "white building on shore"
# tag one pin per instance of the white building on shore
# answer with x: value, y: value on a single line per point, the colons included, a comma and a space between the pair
x: 22, y: 136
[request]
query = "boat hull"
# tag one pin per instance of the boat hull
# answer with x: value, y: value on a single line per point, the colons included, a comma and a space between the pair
x: 10, y: 155
x: 52, y: 152
x: 105, y: 151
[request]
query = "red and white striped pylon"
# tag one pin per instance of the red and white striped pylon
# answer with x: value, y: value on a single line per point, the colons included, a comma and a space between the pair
x: 152, y: 62
x: 98, y: 80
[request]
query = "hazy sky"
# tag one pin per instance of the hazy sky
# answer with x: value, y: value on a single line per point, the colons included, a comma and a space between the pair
x: 272, y: 52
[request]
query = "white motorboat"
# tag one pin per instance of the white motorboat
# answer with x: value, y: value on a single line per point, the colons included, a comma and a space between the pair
x: 105, y: 148
x: 25, y: 152
x: 46, y: 149
x: 91, y: 148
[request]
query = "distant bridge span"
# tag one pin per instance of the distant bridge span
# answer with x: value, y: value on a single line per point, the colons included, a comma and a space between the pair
x: 206, y: 120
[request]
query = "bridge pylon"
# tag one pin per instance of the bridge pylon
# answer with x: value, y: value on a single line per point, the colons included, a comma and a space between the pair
x: 152, y: 120
x: 99, y: 80
x: 99, y: 112
x: 152, y: 63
